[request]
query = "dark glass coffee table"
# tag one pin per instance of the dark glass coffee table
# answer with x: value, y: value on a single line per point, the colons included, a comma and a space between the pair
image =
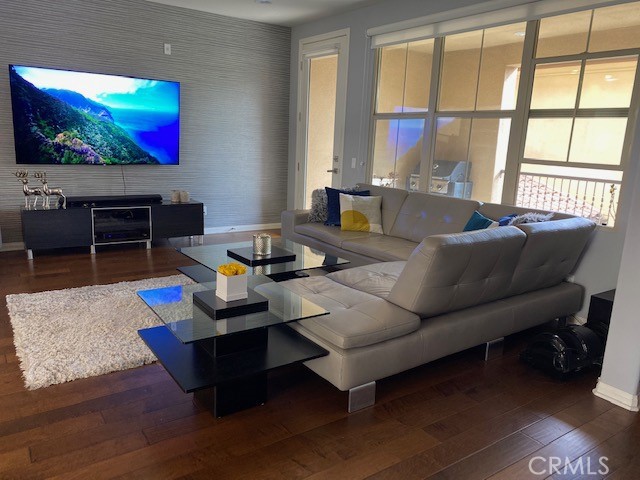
x: 209, y: 257
x: 225, y: 361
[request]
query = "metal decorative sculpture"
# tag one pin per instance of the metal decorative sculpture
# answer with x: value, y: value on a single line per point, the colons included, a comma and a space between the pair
x: 23, y: 176
x: 42, y: 176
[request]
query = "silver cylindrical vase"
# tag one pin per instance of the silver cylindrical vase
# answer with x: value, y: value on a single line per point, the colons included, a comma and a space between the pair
x: 262, y: 244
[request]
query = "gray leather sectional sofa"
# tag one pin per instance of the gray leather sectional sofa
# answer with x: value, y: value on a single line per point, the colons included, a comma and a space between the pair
x: 426, y: 289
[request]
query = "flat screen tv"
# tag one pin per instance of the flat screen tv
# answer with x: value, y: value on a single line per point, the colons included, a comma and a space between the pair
x: 66, y: 117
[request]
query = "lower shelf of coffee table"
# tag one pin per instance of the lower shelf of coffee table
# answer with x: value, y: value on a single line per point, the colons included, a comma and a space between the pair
x: 194, y: 368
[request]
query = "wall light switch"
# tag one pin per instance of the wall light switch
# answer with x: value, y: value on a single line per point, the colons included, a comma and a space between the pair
x: 167, y: 49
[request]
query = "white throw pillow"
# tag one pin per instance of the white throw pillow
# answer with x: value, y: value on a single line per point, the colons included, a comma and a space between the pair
x: 360, y: 214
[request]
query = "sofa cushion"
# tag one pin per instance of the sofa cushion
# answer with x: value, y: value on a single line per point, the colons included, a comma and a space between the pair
x: 425, y: 214
x: 365, y: 324
x: 331, y: 235
x: 360, y: 214
x: 451, y: 272
x: 392, y: 200
x: 496, y: 211
x: 382, y: 247
x: 357, y: 318
x: 530, y: 217
x: 322, y: 291
x: 333, y: 203
x: 318, y: 211
x: 477, y: 222
x: 550, y: 252
x: 376, y: 278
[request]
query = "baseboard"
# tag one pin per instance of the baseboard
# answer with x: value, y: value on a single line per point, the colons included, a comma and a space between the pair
x: 11, y: 246
x: 616, y: 396
x: 242, y: 228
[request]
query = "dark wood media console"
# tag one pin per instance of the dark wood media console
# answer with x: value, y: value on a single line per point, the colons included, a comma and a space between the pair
x: 91, y: 221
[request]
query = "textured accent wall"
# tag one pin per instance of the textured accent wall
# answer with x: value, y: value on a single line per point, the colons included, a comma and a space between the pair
x: 234, y: 77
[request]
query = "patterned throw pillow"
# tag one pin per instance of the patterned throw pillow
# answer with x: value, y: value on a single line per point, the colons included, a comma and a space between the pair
x: 318, y: 213
x: 531, y: 217
x: 360, y: 214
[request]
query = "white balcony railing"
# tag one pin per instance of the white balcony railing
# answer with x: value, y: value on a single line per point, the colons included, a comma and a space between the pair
x: 585, y: 197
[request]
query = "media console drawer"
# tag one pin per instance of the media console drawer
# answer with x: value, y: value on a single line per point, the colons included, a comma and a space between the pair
x: 44, y: 229
x: 177, y: 220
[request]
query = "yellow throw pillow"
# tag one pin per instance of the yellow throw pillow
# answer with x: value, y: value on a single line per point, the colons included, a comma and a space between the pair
x: 360, y: 214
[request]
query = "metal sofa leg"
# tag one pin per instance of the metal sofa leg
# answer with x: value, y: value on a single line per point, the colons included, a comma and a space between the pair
x: 493, y: 349
x: 362, y: 396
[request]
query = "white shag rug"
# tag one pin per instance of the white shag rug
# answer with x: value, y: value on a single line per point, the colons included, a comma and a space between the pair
x: 64, y: 335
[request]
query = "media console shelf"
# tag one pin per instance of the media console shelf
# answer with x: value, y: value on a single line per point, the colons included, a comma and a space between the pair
x: 91, y: 221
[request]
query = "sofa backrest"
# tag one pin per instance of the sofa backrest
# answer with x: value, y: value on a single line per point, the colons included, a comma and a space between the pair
x: 450, y: 272
x: 550, y: 253
x: 496, y: 211
x: 426, y: 214
x: 392, y: 200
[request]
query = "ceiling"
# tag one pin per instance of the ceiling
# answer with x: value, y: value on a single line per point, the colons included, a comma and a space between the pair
x: 278, y: 12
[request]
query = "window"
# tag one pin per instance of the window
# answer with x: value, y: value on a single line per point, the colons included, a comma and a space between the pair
x: 476, y: 102
x: 583, y: 83
x: 451, y: 116
x: 404, y: 81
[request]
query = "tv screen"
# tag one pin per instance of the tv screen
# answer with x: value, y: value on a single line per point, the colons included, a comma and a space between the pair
x: 66, y: 117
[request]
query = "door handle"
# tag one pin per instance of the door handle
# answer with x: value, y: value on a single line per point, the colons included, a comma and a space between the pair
x: 333, y: 170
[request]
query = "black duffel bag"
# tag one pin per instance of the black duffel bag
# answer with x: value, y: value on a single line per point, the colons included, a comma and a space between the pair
x: 567, y: 350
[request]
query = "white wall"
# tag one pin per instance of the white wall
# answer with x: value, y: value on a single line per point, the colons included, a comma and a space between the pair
x: 621, y: 369
x: 599, y: 267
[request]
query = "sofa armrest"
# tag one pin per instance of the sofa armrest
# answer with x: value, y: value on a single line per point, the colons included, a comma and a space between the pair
x: 291, y: 218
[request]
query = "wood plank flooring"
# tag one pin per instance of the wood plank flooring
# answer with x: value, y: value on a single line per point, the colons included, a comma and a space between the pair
x: 456, y: 418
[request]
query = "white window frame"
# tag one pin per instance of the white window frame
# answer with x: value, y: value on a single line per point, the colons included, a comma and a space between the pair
x: 438, y: 26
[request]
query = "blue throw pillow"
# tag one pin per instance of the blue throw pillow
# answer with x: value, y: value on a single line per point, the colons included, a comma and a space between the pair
x: 504, y: 221
x: 333, y: 204
x: 477, y: 222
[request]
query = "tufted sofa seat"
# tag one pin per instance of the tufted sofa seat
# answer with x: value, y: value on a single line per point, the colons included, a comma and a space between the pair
x: 407, y: 218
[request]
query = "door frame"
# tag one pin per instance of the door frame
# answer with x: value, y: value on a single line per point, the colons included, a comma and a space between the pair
x: 336, y: 42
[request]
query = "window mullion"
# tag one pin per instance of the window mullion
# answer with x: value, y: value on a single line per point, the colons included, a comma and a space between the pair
x: 479, y: 71
x: 580, y: 112
x: 400, y: 116
x: 406, y: 69
x: 518, y: 132
x: 583, y: 67
x: 627, y: 52
x: 374, y: 108
x: 555, y: 163
x: 589, y: 32
x: 477, y: 113
x: 429, y: 139
x: 632, y: 116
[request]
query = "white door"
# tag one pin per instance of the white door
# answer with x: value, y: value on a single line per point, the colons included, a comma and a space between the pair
x: 321, y: 112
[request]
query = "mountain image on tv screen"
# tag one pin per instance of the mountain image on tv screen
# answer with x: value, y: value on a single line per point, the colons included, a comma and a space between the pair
x: 65, y: 117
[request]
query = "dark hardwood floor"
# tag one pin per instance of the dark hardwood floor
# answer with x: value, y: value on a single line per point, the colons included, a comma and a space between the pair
x: 456, y: 418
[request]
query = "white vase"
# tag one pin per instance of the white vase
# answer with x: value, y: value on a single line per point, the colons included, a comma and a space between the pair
x: 231, y: 288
